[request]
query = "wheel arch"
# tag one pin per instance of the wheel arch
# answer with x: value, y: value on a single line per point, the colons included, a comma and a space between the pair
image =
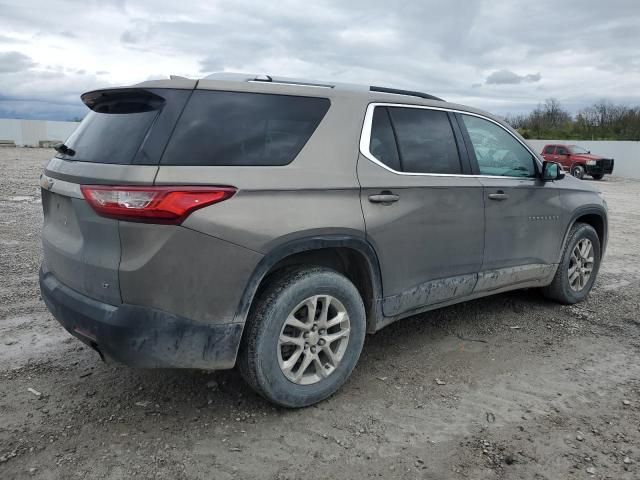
x: 353, y: 256
x: 596, y: 216
x: 579, y: 163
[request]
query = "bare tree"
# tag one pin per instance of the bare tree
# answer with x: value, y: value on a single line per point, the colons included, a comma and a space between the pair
x: 602, y: 120
x: 553, y: 114
x: 516, y: 120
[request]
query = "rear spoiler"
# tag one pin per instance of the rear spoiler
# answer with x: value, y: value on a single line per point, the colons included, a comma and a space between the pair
x: 122, y: 100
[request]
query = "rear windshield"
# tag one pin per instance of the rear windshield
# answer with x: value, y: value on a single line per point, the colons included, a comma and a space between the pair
x: 237, y: 128
x: 113, y: 130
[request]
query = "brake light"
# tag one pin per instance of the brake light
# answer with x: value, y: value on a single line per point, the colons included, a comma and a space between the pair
x: 169, y: 205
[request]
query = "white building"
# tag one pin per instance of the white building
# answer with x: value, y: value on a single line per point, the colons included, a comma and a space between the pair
x: 33, y: 133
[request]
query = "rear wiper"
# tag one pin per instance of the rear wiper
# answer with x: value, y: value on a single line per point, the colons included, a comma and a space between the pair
x: 63, y: 149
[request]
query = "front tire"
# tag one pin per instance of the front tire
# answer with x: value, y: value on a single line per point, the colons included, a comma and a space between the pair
x: 578, y: 171
x: 598, y: 176
x: 578, y: 267
x: 303, y: 336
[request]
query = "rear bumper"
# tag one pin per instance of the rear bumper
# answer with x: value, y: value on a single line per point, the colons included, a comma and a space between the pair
x: 139, y: 336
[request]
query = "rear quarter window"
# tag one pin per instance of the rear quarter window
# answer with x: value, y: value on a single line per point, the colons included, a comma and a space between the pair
x: 238, y: 128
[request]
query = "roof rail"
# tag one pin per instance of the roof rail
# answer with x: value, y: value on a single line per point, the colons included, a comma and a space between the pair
x: 231, y: 76
x: 250, y: 77
x: 290, y: 81
x: 404, y: 92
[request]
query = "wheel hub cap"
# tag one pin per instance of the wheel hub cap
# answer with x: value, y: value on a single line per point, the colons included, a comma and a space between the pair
x: 313, y: 339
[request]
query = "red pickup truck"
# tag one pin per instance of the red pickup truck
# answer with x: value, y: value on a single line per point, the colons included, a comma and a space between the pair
x: 578, y: 161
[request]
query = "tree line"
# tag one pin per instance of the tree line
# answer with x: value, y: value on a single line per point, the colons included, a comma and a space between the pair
x: 601, y: 121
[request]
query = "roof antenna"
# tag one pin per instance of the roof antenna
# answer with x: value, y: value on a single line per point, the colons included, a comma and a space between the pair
x: 263, y: 78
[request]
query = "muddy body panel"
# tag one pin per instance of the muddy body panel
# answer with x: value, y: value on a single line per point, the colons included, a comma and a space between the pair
x: 140, y: 336
x: 183, y: 272
x: 82, y: 248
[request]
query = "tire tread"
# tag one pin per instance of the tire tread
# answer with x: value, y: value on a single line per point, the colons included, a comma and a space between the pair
x: 556, y: 289
x: 250, y: 363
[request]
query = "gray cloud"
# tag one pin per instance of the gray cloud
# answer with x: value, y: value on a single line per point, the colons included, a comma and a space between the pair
x: 14, y: 62
x: 130, y: 36
x: 6, y: 40
x: 68, y: 34
x: 446, y: 48
x: 507, y: 77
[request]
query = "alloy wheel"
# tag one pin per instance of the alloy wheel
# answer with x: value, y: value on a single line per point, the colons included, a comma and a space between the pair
x: 313, y: 339
x: 581, y: 264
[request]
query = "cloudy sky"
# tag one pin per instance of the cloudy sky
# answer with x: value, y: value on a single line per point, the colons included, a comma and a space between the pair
x: 503, y: 56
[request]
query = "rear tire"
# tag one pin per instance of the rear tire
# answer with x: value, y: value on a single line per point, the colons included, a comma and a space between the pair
x: 598, y: 176
x: 301, y: 313
x: 578, y: 267
x: 578, y: 171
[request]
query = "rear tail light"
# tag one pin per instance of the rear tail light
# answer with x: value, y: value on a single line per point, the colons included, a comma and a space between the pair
x: 169, y: 205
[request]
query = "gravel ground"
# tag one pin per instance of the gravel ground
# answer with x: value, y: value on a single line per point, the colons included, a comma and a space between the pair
x: 510, y: 386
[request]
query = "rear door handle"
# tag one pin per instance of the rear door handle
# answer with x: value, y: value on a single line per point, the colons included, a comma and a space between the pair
x: 500, y: 195
x: 385, y: 197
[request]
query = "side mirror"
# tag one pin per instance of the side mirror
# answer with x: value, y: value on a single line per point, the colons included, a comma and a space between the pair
x: 551, y: 171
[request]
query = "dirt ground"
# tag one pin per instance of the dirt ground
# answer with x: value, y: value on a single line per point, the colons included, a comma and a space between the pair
x: 526, y: 388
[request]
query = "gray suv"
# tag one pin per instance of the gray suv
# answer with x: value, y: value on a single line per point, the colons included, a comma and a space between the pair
x: 271, y: 223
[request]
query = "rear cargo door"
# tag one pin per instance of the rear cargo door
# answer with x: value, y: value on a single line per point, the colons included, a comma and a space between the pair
x: 119, y: 142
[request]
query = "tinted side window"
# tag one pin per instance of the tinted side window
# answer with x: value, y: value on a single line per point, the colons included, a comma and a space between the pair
x: 237, y: 128
x: 548, y: 150
x: 498, y: 152
x: 562, y: 151
x: 383, y: 142
x: 426, y: 143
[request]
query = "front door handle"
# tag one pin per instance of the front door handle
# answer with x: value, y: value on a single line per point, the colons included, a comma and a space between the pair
x: 384, y: 197
x: 499, y: 195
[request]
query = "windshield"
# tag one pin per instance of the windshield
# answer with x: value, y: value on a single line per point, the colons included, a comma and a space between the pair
x: 577, y: 150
